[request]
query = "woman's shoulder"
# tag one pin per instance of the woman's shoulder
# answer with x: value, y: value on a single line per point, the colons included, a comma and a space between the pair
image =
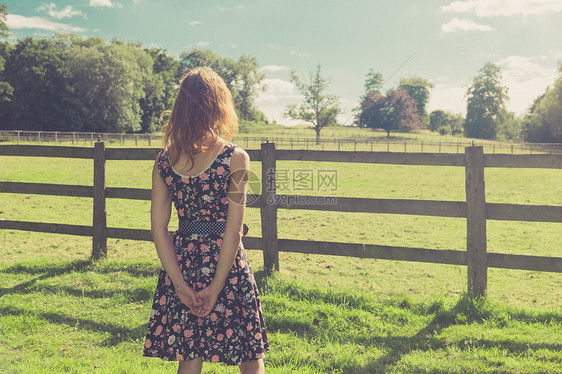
x: 239, y: 158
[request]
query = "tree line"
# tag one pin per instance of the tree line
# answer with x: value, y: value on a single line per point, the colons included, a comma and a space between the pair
x: 73, y: 83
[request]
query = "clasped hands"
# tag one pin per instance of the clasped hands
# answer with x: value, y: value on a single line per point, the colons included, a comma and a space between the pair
x: 199, y: 303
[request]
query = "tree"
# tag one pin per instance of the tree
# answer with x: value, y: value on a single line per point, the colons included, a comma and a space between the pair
x: 543, y: 122
x: 247, y: 84
x: 6, y: 90
x: 318, y: 108
x: 42, y: 97
x: 439, y: 119
x: 485, y: 104
x: 394, y: 112
x: 373, y: 82
x: 159, y: 89
x: 419, y: 90
x: 109, y: 80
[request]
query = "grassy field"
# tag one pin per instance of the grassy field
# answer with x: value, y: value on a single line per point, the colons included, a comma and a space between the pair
x: 61, y: 312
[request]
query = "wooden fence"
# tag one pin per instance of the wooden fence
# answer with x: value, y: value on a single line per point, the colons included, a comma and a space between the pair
x: 474, y: 209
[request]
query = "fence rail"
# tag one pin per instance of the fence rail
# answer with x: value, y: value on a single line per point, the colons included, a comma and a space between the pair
x: 474, y: 209
x: 350, y: 143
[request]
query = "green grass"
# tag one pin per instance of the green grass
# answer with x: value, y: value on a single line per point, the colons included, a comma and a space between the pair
x: 60, y: 312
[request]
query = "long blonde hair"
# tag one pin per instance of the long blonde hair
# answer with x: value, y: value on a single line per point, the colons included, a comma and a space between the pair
x: 203, y: 109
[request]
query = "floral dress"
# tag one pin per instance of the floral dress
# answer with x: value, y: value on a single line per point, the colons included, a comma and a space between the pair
x: 234, y: 331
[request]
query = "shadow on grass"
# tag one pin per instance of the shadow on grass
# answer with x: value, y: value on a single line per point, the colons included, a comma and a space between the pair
x: 468, y: 310
x: 49, y: 272
x: 138, y: 269
x: 117, y: 334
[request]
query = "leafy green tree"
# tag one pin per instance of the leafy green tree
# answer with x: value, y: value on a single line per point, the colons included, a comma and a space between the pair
x: 396, y: 111
x: 159, y: 89
x: 42, y: 97
x: 374, y: 82
x: 437, y: 119
x: 6, y: 90
x: 543, y: 122
x: 440, y: 118
x: 486, y: 104
x: 318, y: 108
x: 4, y: 30
x: 419, y: 90
x: 248, y: 82
x: 109, y: 80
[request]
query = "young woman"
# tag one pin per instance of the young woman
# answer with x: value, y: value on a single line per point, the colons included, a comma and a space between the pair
x: 206, y: 306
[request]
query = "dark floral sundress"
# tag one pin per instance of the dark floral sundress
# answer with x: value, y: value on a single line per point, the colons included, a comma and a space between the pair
x: 234, y: 331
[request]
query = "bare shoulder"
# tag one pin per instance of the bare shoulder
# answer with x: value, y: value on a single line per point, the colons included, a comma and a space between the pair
x: 240, y: 159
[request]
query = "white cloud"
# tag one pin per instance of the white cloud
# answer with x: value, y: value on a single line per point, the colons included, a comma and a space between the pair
x: 195, y: 23
x: 202, y: 44
x: 274, y: 68
x: 457, y: 24
x: 15, y: 21
x: 102, y: 3
x: 495, y: 8
x: 273, y: 46
x: 299, y: 54
x: 526, y: 79
x: 66, y: 12
x: 224, y: 9
x: 278, y: 86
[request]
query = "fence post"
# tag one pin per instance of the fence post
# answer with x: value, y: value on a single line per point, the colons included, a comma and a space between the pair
x: 476, y: 221
x: 268, y: 208
x: 99, y: 230
x: 19, y: 137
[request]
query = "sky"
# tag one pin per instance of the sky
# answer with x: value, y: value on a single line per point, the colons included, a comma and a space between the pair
x: 445, y: 42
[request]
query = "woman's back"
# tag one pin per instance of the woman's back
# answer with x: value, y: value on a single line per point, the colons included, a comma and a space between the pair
x: 202, y: 196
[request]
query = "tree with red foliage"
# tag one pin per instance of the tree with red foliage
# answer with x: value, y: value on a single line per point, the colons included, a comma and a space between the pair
x: 396, y: 111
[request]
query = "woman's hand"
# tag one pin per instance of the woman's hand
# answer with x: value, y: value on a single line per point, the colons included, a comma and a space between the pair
x: 208, y: 297
x: 188, y: 297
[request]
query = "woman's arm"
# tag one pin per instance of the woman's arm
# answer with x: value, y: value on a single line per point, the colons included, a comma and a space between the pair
x: 239, y: 171
x: 160, y: 213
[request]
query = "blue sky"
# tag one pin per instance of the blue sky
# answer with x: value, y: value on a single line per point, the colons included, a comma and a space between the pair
x: 443, y: 41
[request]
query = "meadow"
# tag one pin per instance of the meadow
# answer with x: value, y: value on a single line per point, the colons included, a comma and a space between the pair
x: 60, y: 311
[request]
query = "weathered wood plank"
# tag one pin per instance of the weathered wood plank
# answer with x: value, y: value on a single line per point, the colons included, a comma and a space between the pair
x: 252, y: 242
x: 523, y: 262
x: 55, y: 228
x: 45, y: 151
x: 523, y: 161
x: 129, y: 234
x: 47, y: 189
x: 400, y: 158
x: 385, y: 252
x: 476, y: 220
x: 268, y: 211
x: 532, y: 213
x: 368, y: 205
x: 99, y: 233
x: 127, y: 193
x: 254, y: 154
x: 132, y: 153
